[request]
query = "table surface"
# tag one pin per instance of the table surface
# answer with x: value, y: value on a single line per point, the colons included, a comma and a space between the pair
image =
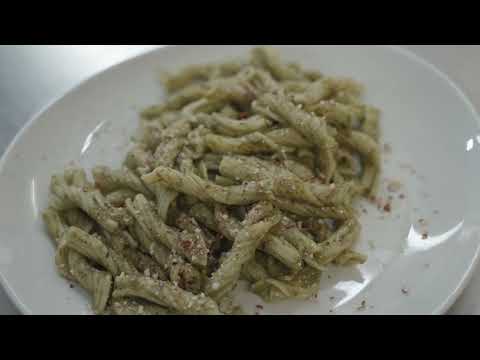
x: 32, y: 76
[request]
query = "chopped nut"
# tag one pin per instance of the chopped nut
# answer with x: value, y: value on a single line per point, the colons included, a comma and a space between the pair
x: 187, y: 244
x: 394, y: 186
x: 215, y: 286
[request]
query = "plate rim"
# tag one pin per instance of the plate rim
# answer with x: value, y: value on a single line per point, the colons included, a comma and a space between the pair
x: 440, y: 310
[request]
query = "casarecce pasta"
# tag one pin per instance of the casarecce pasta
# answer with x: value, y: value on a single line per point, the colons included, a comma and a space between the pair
x: 247, y: 172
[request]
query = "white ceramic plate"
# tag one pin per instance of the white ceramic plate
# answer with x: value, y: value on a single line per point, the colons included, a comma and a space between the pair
x: 430, y: 125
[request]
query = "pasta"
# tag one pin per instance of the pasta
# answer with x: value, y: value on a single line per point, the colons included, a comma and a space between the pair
x: 273, y: 245
x: 186, y: 244
x: 97, y: 282
x: 243, y: 250
x: 135, y: 307
x: 164, y: 294
x: 249, y: 171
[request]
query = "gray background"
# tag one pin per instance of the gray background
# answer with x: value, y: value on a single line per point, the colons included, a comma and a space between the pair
x: 33, y: 76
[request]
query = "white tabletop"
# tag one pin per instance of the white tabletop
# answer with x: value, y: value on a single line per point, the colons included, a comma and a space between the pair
x: 32, y: 76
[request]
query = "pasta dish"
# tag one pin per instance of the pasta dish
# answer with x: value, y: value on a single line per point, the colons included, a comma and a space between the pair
x: 247, y: 172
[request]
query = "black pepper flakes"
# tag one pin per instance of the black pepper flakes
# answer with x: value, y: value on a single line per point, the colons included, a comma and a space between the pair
x: 362, y: 306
